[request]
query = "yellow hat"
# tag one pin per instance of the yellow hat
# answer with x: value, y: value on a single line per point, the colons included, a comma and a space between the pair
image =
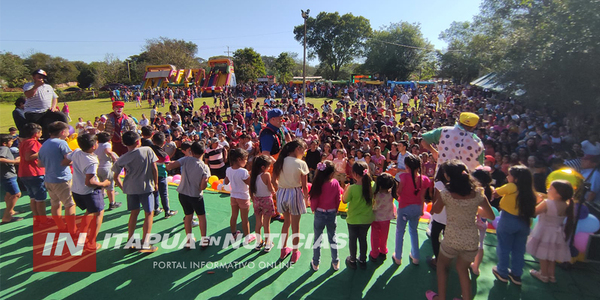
x: 469, y: 119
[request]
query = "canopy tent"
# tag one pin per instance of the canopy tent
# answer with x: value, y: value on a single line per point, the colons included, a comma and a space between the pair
x: 490, y: 82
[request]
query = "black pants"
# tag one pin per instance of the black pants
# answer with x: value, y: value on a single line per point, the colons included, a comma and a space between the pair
x: 358, y: 232
x: 436, y: 230
x: 44, y: 119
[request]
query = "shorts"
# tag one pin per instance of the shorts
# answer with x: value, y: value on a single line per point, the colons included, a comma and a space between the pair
x: 291, y: 201
x: 239, y: 203
x: 449, y: 252
x: 106, y: 174
x: 10, y: 186
x: 146, y: 200
x: 192, y: 204
x: 92, y: 203
x: 60, y: 193
x: 264, y: 206
x: 35, y: 187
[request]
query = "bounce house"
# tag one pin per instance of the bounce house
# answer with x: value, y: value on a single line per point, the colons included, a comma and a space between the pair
x: 187, y: 77
x: 221, y: 75
x: 167, y: 75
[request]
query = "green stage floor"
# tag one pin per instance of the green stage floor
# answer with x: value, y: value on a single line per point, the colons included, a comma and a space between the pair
x: 122, y: 274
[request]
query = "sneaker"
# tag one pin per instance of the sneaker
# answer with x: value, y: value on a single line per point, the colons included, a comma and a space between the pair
x: 204, y: 242
x: 350, y: 263
x: 295, y: 257
x: 498, y: 276
x: 285, y: 252
x: 515, y: 279
x: 158, y: 212
x: 335, y: 265
x: 114, y: 205
x: 195, y: 223
x: 313, y: 266
x: 259, y: 245
x: 170, y: 213
x: 250, y: 238
x: 195, y: 218
x: 268, y: 247
x: 537, y: 274
x: 189, y: 244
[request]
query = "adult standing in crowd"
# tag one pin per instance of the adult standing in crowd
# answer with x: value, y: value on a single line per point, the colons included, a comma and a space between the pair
x: 116, y: 124
x: 41, y: 104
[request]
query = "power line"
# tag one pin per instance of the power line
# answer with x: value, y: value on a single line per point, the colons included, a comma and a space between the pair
x: 412, y: 47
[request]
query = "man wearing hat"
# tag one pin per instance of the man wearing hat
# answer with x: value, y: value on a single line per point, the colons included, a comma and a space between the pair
x: 116, y: 124
x: 41, y: 105
x: 457, y: 142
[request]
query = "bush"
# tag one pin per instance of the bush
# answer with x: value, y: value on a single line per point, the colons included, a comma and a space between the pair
x: 10, y: 97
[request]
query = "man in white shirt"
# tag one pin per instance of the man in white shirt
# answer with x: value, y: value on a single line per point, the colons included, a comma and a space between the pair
x: 591, y: 146
x: 404, y: 99
x: 41, y: 105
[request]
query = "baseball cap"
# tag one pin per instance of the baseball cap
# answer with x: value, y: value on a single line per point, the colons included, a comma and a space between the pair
x: 469, y: 119
x: 118, y: 104
x: 490, y: 158
x: 274, y: 113
x: 39, y: 71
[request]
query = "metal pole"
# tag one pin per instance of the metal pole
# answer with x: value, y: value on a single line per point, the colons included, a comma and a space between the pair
x: 128, y: 72
x: 305, y: 16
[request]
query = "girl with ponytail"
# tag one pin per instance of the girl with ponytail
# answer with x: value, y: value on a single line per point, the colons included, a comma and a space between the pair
x: 359, y: 197
x: 548, y: 241
x: 411, y: 196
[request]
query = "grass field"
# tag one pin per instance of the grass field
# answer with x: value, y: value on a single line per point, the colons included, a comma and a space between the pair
x: 88, y: 109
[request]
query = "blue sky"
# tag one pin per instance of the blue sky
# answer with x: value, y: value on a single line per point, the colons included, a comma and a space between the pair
x: 88, y: 30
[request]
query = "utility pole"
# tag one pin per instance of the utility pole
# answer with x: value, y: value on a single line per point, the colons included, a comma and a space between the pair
x: 304, y: 16
x: 228, y: 56
x: 128, y: 71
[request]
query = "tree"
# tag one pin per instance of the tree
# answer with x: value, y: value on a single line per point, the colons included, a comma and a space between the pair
x: 336, y: 40
x: 284, y: 66
x: 397, y: 50
x: 108, y: 71
x: 13, y: 69
x: 179, y: 53
x: 269, y: 62
x: 248, y: 65
x: 59, y: 69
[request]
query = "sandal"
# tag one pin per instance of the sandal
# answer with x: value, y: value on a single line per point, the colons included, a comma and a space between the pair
x: 473, y: 270
x: 537, y: 274
x: 268, y: 247
x: 552, y: 279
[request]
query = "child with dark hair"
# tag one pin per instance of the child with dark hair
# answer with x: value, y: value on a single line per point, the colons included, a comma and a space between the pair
x: 87, y: 189
x: 194, y: 179
x: 484, y: 178
x: 518, y: 207
x: 462, y: 200
x: 325, y: 197
x: 548, y: 241
x: 359, y: 197
x: 158, y: 141
x: 384, y: 210
x: 290, y: 176
x: 106, y: 157
x: 261, y: 192
x: 141, y: 179
x: 411, y: 196
x: 239, y: 178
x: 52, y: 157
x: 8, y: 176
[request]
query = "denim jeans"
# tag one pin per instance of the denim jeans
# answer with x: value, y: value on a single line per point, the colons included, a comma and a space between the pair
x: 163, y: 191
x: 325, y: 220
x: 512, y: 235
x: 410, y: 214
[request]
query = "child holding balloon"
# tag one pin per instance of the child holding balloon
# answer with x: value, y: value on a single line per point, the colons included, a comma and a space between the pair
x: 548, y: 240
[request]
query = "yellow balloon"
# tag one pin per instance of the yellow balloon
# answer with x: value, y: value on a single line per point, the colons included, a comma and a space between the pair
x: 212, y: 179
x: 567, y: 174
x: 72, y: 141
x: 343, y: 207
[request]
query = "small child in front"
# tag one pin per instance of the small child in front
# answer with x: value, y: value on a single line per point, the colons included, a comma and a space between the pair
x: 87, y: 189
x: 141, y: 179
x: 261, y: 192
x: 240, y: 194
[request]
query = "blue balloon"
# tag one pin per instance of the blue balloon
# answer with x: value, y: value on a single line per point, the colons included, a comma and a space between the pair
x: 589, y: 224
x: 583, y: 211
x: 495, y: 222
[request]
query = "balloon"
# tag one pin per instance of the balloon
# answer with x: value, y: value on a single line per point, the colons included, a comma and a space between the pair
x: 580, y: 241
x: 73, y: 144
x: 176, y: 177
x: 496, y: 212
x: 426, y: 216
x: 343, y: 207
x: 309, y: 186
x: 71, y: 130
x: 221, y: 180
x: 589, y: 224
x: 495, y: 222
x: 177, y: 181
x: 567, y: 174
x: 428, y: 209
x: 169, y: 178
x: 227, y: 187
x: 214, y: 185
x: 219, y: 187
x: 212, y: 179
x: 490, y: 225
x: 584, y: 212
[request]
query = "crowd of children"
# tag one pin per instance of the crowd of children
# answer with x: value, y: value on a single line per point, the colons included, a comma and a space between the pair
x: 346, y: 153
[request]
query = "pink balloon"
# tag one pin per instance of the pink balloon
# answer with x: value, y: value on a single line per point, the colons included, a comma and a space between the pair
x: 426, y: 216
x: 309, y: 186
x: 581, y: 241
x: 176, y: 181
x: 176, y: 177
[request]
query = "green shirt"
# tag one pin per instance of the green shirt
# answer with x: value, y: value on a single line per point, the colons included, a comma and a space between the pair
x: 359, y: 212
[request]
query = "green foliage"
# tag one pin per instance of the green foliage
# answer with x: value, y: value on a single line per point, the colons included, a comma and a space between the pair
x: 13, y: 70
x: 248, y: 65
x: 269, y: 62
x: 59, y: 70
x: 284, y: 66
x: 387, y: 56
x: 179, y: 53
x: 336, y: 40
x: 87, y: 74
x: 10, y: 97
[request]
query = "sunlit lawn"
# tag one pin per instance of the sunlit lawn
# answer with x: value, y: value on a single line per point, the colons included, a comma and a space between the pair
x: 88, y: 109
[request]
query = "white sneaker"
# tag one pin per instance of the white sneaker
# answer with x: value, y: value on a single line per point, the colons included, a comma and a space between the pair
x: 195, y: 223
